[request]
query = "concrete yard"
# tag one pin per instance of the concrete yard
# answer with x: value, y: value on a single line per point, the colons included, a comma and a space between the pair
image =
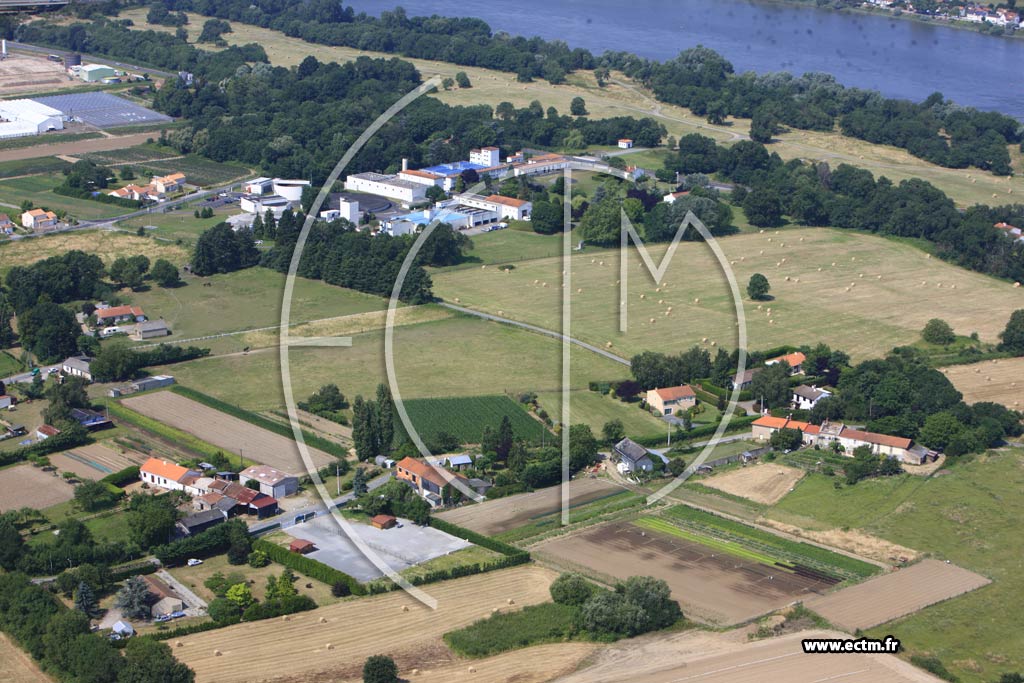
x: 400, y: 548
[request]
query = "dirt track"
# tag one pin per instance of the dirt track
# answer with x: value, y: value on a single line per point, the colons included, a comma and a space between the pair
x: 710, y: 586
x: 890, y: 596
x: 28, y: 486
x: 76, y: 147
x: 302, y: 648
x: 495, y: 516
x: 762, y: 483
x: 227, y: 432
x: 724, y: 658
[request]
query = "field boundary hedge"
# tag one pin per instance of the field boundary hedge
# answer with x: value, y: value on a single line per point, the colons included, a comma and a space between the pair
x: 308, y: 566
x: 311, y: 439
x: 121, y: 477
x: 477, y: 538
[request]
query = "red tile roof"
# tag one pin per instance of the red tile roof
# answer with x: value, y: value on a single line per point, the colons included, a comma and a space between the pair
x: 875, y: 438
x: 781, y: 423
x: 117, y: 311
x: 676, y: 393
x: 422, y: 470
x: 794, y: 359
x: 507, y: 201
x: 48, y: 430
x: 265, y: 501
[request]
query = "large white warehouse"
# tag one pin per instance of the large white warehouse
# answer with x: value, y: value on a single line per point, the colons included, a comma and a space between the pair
x: 20, y: 118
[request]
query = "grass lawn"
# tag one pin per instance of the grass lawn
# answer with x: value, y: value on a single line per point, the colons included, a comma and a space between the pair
x: 460, y: 558
x: 179, y: 225
x: 9, y: 365
x: 247, y: 299
x: 193, y: 577
x: 509, y: 246
x: 39, y: 190
x: 457, y: 356
x: 594, y: 409
x: 878, y: 294
x: 107, y: 244
x: 969, y: 516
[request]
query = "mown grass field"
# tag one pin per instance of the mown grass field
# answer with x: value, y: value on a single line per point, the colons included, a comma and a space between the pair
x: 244, y: 300
x: 622, y: 97
x: 457, y: 356
x: 969, y: 516
x: 107, y: 244
x: 878, y: 294
x: 1000, y: 381
x: 181, y: 224
x: 39, y: 190
x: 595, y: 409
x: 466, y: 417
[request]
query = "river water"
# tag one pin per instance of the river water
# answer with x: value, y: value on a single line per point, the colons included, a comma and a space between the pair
x: 898, y: 57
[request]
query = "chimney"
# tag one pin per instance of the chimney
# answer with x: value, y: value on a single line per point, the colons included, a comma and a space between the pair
x: 405, y: 164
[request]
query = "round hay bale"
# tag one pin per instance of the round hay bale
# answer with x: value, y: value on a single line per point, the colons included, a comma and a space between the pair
x: 769, y: 310
x: 927, y: 255
x: 783, y: 259
x: 579, y: 290
x: 544, y: 285
x: 669, y: 308
x: 787, y: 278
x: 833, y: 264
x: 853, y: 258
x: 769, y: 239
x: 668, y: 312
x: 652, y: 320
x: 494, y: 610
x: 977, y: 370
x: 761, y: 253
x: 1016, y: 284
x: 796, y: 279
x: 286, y: 618
x: 178, y: 643
x: 846, y: 289
x: 759, y: 307
x: 801, y: 239
x: 405, y: 608
x: 511, y: 601
x: 732, y: 263
x: 743, y: 258
x: 704, y: 340
x: 762, y: 231
x: 697, y: 300
x: 483, y: 267
x: 661, y: 301
x: 608, y: 344
x: 860, y: 274
x: 457, y: 299
x: 501, y: 312
x: 819, y: 269
x: 878, y: 277
x: 415, y: 672
x: 329, y: 646
x: 714, y: 343
x: 217, y: 653
x: 593, y: 260
x: 601, y: 263
x: 472, y: 669
x: 536, y: 282
x: 770, y: 321
x: 853, y: 284
x: 643, y: 296
x: 323, y: 620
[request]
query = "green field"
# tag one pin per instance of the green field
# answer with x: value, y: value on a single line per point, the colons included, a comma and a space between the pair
x: 107, y: 244
x: 532, y: 625
x: 19, y: 167
x: 39, y: 190
x: 130, y: 155
x: 753, y: 540
x: 247, y: 299
x: 9, y: 365
x: 594, y: 409
x: 456, y: 356
x: 199, y: 170
x: 466, y: 417
x: 879, y: 294
x: 181, y: 224
x: 969, y: 516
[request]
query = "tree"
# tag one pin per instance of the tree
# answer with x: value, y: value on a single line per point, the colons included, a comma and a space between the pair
x: 86, y: 602
x: 578, y: 106
x: 115, y: 362
x: 151, y: 519
x: 938, y: 331
x: 763, y: 208
x: 653, y: 596
x: 11, y: 543
x: 1011, y: 338
x: 380, y: 669
x: 939, y: 430
x: 436, y: 193
x: 676, y: 466
x: 147, y: 661
x: 583, y: 447
x: 93, y: 495
x: 165, y: 273
x: 258, y: 558
x: 222, y: 250
x: 223, y: 610
x: 385, y: 419
x: 786, y: 439
x: 359, y: 482
x: 505, y: 438
x: 240, y: 595
x: 571, y: 589
x: 132, y: 599
x: 547, y: 218
x: 463, y: 80
x: 49, y: 331
x: 63, y: 398
x: 613, y: 431
x: 129, y: 271
x: 771, y: 385
x: 757, y: 287
x: 762, y: 127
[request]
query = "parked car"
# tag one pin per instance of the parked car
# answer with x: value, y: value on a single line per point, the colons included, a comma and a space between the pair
x: 162, y: 618
x: 194, y: 562
x: 177, y: 615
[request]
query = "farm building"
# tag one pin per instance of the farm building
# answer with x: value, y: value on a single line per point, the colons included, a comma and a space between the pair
x: 6, y: 401
x: 148, y: 329
x: 625, y: 143
x: 835, y: 432
x: 96, y: 73
x: 632, y: 457
x: 200, y: 521
x: 90, y: 419
x: 806, y: 397
x: 44, y: 432
x: 301, y: 546
x: 458, y: 462
x: 165, y: 599
x: 272, y: 482
x: 670, y: 399
x: 37, y: 219
x: 21, y: 118
x: 6, y: 224
x: 383, y: 521
x: 164, y: 474
x: 145, y: 384
x: 77, y: 366
x: 794, y: 360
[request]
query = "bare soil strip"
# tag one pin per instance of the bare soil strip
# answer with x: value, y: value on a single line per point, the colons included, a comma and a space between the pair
x: 894, y: 595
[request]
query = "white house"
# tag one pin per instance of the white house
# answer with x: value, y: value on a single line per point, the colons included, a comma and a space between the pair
x: 625, y: 143
x: 805, y: 397
x: 165, y: 474
x: 38, y: 219
x: 78, y: 366
x: 632, y: 457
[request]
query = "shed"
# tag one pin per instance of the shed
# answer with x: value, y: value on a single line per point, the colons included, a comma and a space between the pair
x: 123, y: 628
x: 166, y: 606
x: 301, y: 546
x: 383, y: 521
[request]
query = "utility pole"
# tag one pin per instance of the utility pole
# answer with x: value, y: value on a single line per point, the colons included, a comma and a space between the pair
x: 337, y: 476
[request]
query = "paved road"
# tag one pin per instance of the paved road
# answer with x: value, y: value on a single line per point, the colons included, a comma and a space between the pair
x: 87, y: 58
x: 27, y: 376
x: 540, y: 330
x: 701, y: 444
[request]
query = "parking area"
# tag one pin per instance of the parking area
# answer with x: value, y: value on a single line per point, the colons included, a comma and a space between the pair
x: 400, y: 547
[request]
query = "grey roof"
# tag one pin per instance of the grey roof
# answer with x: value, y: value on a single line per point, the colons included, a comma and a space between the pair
x: 631, y: 450
x: 810, y: 393
x: 80, y: 363
x: 463, y: 459
x: 200, y: 518
x: 102, y: 110
x: 150, y: 325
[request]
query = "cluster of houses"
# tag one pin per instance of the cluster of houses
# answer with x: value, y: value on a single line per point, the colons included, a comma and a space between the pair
x: 125, y: 319
x: 218, y: 497
x: 955, y: 11
x: 828, y: 433
x: 156, y: 191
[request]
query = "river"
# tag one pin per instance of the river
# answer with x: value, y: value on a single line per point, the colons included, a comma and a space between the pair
x: 898, y: 57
